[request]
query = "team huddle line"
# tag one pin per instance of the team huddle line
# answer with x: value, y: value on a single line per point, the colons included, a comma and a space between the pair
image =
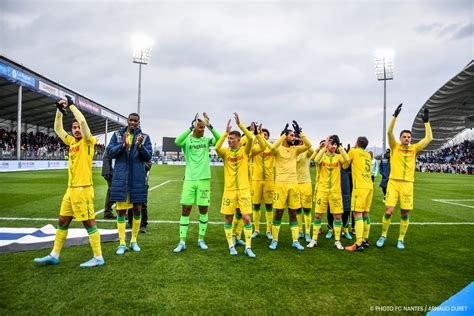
x: 256, y: 172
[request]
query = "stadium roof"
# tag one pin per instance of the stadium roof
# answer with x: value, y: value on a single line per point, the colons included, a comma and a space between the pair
x: 38, y: 96
x: 451, y: 109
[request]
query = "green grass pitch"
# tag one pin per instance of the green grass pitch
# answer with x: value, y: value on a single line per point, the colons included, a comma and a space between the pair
x: 437, y: 263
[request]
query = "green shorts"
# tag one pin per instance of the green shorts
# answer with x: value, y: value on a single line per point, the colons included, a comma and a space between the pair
x: 196, y: 192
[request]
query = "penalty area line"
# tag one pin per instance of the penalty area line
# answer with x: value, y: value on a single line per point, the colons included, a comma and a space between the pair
x: 217, y: 223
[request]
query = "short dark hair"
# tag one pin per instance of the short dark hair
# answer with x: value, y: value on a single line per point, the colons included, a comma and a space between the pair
x: 405, y: 131
x: 266, y: 130
x: 362, y: 142
x: 74, y: 121
x: 235, y: 133
x: 134, y: 114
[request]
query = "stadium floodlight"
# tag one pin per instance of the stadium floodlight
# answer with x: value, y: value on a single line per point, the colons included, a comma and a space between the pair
x: 384, y: 72
x: 141, y: 45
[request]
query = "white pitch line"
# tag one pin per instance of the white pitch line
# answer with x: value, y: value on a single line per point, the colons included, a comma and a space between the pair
x: 150, y: 189
x: 218, y: 223
x: 454, y: 203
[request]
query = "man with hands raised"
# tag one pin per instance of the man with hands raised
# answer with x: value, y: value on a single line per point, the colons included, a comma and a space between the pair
x: 197, y: 178
x: 286, y: 191
x: 237, y: 196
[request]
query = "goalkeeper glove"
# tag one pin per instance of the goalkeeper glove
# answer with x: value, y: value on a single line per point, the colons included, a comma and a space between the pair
x: 285, y: 131
x: 398, y: 110
x: 426, y: 116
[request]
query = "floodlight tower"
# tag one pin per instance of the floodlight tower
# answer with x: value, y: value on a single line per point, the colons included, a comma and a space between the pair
x: 384, y: 72
x: 141, y: 45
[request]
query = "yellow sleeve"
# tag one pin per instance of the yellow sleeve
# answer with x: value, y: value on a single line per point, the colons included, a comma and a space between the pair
x: 219, y: 150
x: 248, y: 134
x: 344, y: 158
x: 59, y: 129
x: 350, y: 154
x: 274, y: 147
x: 306, y: 144
x: 319, y: 156
x: 86, y: 132
x: 391, y: 139
x: 426, y: 140
x: 310, y: 152
x: 257, y: 149
x: 313, y: 156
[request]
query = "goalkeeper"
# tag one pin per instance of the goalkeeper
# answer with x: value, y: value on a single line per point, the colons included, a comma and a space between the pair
x: 197, y: 178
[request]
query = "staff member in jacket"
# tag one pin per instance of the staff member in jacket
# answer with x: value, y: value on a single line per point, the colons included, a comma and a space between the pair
x: 131, y: 149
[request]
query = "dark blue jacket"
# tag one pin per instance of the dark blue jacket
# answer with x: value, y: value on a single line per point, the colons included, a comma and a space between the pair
x: 385, y: 172
x: 129, y: 174
x: 346, y: 181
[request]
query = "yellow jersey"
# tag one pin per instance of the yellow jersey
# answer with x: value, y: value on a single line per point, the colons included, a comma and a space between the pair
x: 236, y: 162
x: 302, y: 167
x: 329, y: 170
x: 403, y: 158
x: 361, y: 168
x: 285, y: 159
x: 81, y: 152
x: 263, y: 166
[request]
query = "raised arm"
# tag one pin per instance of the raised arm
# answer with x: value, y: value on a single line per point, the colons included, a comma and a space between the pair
x: 85, y: 131
x: 306, y: 144
x: 310, y: 152
x: 344, y: 157
x: 58, y: 126
x: 219, y: 150
x: 391, y: 139
x: 428, y: 133
x: 319, y: 155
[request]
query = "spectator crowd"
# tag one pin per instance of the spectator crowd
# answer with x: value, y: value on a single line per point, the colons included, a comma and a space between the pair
x: 37, y: 145
x: 453, y: 159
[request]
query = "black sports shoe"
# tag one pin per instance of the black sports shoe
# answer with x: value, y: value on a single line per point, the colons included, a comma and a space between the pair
x: 365, y: 244
x: 143, y: 229
x: 110, y: 216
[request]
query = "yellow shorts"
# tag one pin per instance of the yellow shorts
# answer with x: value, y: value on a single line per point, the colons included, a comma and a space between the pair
x: 241, y: 199
x: 286, y: 194
x: 78, y: 202
x: 306, y: 194
x: 361, y: 200
x: 262, y: 191
x: 124, y: 205
x: 331, y: 199
x: 402, y: 190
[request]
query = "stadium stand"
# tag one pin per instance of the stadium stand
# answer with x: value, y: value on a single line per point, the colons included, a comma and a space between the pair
x: 451, y: 112
x: 27, y: 97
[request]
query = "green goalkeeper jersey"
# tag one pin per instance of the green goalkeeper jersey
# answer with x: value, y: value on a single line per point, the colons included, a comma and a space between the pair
x: 196, y: 154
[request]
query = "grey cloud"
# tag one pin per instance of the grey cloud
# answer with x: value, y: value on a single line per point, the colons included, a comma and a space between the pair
x: 465, y: 31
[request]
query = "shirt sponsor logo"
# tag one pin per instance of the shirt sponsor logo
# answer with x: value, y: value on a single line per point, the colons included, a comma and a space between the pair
x: 406, y: 151
x: 198, y: 146
x: 234, y: 159
x: 330, y: 164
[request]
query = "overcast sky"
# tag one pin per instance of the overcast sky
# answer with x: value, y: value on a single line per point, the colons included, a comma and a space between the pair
x: 272, y: 62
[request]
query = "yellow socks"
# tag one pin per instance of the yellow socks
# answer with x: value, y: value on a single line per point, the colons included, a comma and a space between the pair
x: 307, y: 222
x: 121, y: 229
x: 337, y: 230
x: 94, y: 240
x: 61, y: 235
x: 269, y: 220
x: 276, y: 229
x: 359, y: 230
x: 366, y: 228
x: 386, y: 220
x: 135, y: 227
x: 403, y: 227
x: 316, y: 228
x: 248, y: 235
x: 256, y: 220
x: 228, y: 234
x: 294, y: 230
x: 299, y: 218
